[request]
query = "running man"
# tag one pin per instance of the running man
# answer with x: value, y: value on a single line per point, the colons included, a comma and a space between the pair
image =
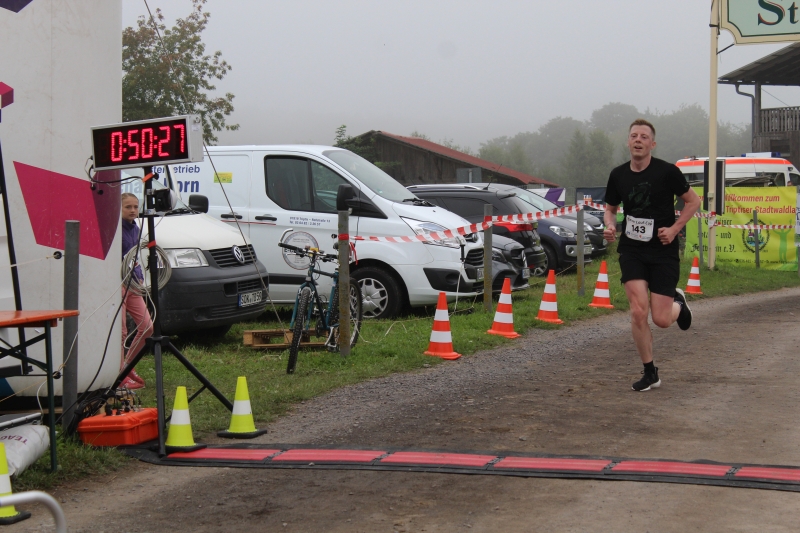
x: 648, y: 248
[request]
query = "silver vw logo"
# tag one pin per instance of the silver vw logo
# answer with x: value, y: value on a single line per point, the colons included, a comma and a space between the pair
x: 237, y: 253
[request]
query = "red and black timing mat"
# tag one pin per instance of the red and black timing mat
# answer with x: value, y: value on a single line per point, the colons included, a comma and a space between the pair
x: 463, y: 462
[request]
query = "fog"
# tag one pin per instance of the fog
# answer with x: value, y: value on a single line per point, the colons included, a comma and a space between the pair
x: 461, y: 70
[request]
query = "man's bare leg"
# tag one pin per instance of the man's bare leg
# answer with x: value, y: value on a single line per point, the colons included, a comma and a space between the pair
x: 636, y: 291
x: 665, y: 310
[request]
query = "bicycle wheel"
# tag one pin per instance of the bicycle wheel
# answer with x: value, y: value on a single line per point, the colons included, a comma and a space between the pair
x: 303, y: 301
x: 356, y: 312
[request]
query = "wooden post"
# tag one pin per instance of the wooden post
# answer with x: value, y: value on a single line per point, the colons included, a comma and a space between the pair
x: 487, y: 260
x: 344, y: 283
x: 581, y: 237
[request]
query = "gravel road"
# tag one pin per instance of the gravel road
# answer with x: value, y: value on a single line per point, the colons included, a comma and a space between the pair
x: 729, y: 393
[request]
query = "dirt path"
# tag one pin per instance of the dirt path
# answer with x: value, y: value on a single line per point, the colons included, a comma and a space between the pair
x: 730, y: 393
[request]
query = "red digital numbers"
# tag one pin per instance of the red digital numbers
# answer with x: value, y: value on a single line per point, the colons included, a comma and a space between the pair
x: 181, y: 128
x: 116, y: 146
x: 163, y: 141
x: 142, y: 143
x: 147, y: 143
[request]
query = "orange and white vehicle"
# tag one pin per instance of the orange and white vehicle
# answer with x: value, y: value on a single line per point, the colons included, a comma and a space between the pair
x: 749, y: 170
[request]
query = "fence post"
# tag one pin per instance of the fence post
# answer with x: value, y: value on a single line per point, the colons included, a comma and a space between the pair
x: 344, y: 283
x: 757, y: 240
x: 488, y: 210
x: 579, y: 250
x: 72, y: 241
x: 700, y: 238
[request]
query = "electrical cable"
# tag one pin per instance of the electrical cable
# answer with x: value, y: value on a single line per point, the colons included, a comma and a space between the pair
x: 186, y: 109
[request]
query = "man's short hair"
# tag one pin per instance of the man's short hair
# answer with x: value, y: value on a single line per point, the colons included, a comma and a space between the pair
x: 643, y: 122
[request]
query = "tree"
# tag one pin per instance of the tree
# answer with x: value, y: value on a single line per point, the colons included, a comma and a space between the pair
x: 588, y: 160
x: 174, y: 78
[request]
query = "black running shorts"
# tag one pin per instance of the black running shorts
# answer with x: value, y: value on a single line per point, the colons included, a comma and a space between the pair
x: 660, y: 271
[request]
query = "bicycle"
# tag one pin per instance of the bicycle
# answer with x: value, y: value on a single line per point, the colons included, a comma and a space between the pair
x: 327, y: 317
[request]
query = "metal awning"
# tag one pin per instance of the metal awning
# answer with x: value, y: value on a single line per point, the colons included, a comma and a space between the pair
x: 779, y: 68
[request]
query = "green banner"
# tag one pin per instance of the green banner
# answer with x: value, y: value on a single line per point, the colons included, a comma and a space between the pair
x: 775, y: 205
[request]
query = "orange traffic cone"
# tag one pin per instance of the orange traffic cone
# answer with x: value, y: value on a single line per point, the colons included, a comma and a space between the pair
x: 548, y: 309
x: 693, y: 287
x: 601, y: 296
x: 441, y: 344
x: 504, y: 318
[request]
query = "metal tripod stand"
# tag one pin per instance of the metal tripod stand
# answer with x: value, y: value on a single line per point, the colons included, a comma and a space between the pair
x: 158, y: 343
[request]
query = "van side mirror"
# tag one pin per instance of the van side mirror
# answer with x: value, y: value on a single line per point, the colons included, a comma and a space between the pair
x: 343, y: 193
x: 199, y: 203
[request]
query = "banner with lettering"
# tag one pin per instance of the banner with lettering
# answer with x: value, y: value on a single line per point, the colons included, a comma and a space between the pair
x: 775, y: 205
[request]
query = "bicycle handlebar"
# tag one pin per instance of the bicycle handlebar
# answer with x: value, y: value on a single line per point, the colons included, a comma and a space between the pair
x: 309, y: 251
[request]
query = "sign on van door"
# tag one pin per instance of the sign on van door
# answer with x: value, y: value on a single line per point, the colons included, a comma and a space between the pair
x: 229, y: 184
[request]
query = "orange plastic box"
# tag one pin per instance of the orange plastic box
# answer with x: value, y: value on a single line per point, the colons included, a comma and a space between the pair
x: 120, y: 430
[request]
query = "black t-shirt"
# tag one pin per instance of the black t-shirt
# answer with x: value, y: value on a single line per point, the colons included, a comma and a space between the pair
x: 649, y: 194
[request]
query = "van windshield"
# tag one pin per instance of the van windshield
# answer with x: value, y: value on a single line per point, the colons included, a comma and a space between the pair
x: 376, y: 179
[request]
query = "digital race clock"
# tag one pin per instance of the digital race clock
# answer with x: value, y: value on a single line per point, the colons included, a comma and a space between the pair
x: 148, y: 142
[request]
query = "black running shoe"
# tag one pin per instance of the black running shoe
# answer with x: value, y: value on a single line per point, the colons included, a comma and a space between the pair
x: 685, y: 316
x: 647, y: 382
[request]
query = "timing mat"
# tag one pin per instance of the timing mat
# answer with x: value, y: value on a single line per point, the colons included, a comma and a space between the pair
x: 771, y: 477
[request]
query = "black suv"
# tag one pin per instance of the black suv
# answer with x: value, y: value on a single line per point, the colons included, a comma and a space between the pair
x: 558, y: 243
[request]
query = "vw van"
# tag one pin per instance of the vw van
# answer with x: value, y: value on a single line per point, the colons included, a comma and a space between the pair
x: 217, y: 279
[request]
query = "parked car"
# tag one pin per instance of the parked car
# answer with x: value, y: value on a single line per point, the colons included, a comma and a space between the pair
x: 509, y: 261
x: 217, y: 279
x: 593, y: 226
x: 558, y: 234
x: 288, y: 194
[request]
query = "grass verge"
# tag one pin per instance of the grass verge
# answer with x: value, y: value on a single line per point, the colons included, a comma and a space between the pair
x: 385, y: 347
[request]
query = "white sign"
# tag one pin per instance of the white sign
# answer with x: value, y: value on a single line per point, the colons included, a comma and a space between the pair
x: 761, y: 21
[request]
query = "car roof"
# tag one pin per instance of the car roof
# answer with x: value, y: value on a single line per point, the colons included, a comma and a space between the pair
x: 314, y: 149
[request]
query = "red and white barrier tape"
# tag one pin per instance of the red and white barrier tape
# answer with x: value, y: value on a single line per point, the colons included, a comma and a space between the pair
x: 528, y: 217
x: 464, y: 230
x: 755, y: 226
x: 426, y: 237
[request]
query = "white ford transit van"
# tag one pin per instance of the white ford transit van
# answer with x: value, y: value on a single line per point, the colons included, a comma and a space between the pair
x: 217, y: 279
x: 288, y: 194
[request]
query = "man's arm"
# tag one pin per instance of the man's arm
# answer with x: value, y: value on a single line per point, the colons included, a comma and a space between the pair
x: 610, y: 221
x: 692, y: 203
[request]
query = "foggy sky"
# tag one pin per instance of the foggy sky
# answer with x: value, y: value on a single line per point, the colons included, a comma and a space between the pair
x: 464, y: 70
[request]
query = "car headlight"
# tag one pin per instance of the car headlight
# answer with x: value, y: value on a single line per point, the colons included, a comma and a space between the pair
x: 498, y: 256
x: 421, y: 228
x: 186, y: 258
x: 562, y: 232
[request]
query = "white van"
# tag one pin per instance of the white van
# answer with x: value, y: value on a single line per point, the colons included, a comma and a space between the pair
x: 288, y: 194
x: 750, y: 170
x: 217, y: 279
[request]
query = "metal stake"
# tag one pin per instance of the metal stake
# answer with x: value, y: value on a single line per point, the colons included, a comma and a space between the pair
x: 757, y: 238
x: 72, y: 241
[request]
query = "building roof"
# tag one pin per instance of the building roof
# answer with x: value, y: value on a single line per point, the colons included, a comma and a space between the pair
x: 778, y: 68
x: 461, y: 157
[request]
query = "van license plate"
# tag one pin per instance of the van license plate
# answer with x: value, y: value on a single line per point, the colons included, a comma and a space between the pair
x: 478, y: 274
x: 250, y: 298
x: 526, y: 273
